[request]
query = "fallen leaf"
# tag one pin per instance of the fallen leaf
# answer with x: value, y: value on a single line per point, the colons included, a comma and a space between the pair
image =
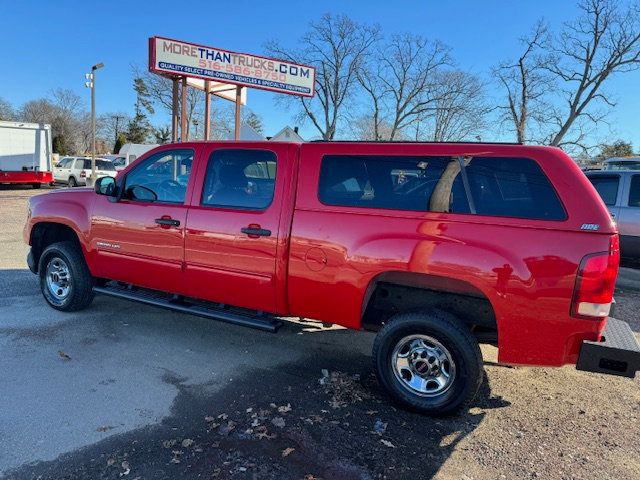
x: 223, y: 416
x: 387, y: 443
x: 380, y: 427
x: 278, y: 422
x: 63, y: 355
x: 209, y: 419
x: 227, y: 428
x: 287, y: 451
x: 126, y: 469
x: 110, y: 462
x: 104, y: 428
x: 187, y: 442
x: 285, y: 408
x: 168, y: 443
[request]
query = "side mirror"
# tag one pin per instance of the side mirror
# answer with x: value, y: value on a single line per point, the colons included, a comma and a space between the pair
x: 106, y: 186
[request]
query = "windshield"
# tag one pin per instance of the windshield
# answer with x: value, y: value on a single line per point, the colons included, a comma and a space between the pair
x: 100, y: 165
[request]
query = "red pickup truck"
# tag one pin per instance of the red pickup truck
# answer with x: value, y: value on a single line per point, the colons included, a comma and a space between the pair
x: 437, y: 247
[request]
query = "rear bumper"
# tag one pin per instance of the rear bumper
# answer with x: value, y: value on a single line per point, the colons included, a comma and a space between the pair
x: 618, y: 353
x: 26, y: 177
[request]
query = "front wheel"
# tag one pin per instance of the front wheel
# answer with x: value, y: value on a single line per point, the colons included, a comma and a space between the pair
x: 429, y: 362
x: 65, y: 280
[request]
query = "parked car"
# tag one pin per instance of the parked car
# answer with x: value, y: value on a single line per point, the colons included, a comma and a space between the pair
x: 436, y: 247
x: 74, y: 170
x: 620, y: 192
x: 622, y: 163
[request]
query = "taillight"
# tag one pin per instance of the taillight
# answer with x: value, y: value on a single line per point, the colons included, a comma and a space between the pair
x: 596, y: 282
x: 83, y: 174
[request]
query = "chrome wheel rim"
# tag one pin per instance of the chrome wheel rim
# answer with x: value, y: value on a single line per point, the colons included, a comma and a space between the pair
x: 423, y: 365
x: 58, y: 278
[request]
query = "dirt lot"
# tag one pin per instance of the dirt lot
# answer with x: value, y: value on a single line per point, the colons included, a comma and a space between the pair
x: 129, y: 391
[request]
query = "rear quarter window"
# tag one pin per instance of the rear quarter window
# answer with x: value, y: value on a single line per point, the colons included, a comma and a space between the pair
x: 507, y: 187
x: 512, y: 187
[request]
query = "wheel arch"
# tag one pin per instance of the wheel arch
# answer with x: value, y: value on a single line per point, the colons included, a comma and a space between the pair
x: 44, y: 234
x: 394, y: 292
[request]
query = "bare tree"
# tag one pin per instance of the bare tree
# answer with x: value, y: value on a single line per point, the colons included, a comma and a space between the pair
x: 460, y: 107
x: 525, y: 84
x: 371, y: 128
x: 336, y: 46
x: 65, y: 113
x: 113, y: 124
x: 400, y: 81
x: 6, y: 110
x: 605, y: 40
x: 160, y: 92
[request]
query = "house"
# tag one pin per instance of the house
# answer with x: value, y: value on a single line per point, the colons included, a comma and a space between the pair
x: 287, y: 134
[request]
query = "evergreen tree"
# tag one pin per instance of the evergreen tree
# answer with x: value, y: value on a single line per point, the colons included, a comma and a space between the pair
x: 120, y: 141
x: 162, y: 134
x: 59, y: 145
x: 139, y: 128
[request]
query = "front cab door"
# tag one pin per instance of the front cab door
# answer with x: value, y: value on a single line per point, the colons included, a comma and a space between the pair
x: 139, y: 239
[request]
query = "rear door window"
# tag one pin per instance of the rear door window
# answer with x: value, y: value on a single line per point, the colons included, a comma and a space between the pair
x: 607, y: 187
x: 238, y: 178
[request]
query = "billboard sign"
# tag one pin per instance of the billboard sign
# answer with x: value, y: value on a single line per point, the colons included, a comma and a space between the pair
x: 175, y: 57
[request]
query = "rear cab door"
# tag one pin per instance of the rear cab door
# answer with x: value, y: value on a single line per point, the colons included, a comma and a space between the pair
x: 238, y: 225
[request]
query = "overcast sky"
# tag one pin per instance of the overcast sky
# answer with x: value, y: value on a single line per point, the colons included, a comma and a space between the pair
x: 50, y: 44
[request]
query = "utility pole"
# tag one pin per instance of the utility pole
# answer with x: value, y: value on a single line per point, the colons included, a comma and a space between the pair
x: 91, y: 83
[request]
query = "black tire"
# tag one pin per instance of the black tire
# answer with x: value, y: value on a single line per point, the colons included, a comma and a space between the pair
x: 455, y: 337
x: 79, y: 293
x: 72, y: 182
x: 36, y: 185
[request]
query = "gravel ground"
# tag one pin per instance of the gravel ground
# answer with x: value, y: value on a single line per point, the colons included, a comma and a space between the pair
x: 152, y: 394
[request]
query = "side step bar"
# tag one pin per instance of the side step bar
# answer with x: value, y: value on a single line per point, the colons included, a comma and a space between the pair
x: 263, y: 322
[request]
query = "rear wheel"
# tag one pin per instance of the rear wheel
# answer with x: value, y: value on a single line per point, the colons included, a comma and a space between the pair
x: 429, y: 362
x: 36, y: 185
x: 65, y: 280
x: 72, y: 182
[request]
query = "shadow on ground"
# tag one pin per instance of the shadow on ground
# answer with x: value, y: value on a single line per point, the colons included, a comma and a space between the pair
x: 288, y: 422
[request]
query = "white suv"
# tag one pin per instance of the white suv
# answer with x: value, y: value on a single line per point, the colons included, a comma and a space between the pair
x: 75, y: 170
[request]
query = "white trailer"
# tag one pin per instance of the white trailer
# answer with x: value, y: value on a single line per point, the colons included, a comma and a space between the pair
x: 25, y: 153
x: 129, y: 152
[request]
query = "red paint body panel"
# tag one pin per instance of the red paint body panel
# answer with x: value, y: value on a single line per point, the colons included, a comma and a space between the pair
x: 320, y: 261
x: 26, y: 177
